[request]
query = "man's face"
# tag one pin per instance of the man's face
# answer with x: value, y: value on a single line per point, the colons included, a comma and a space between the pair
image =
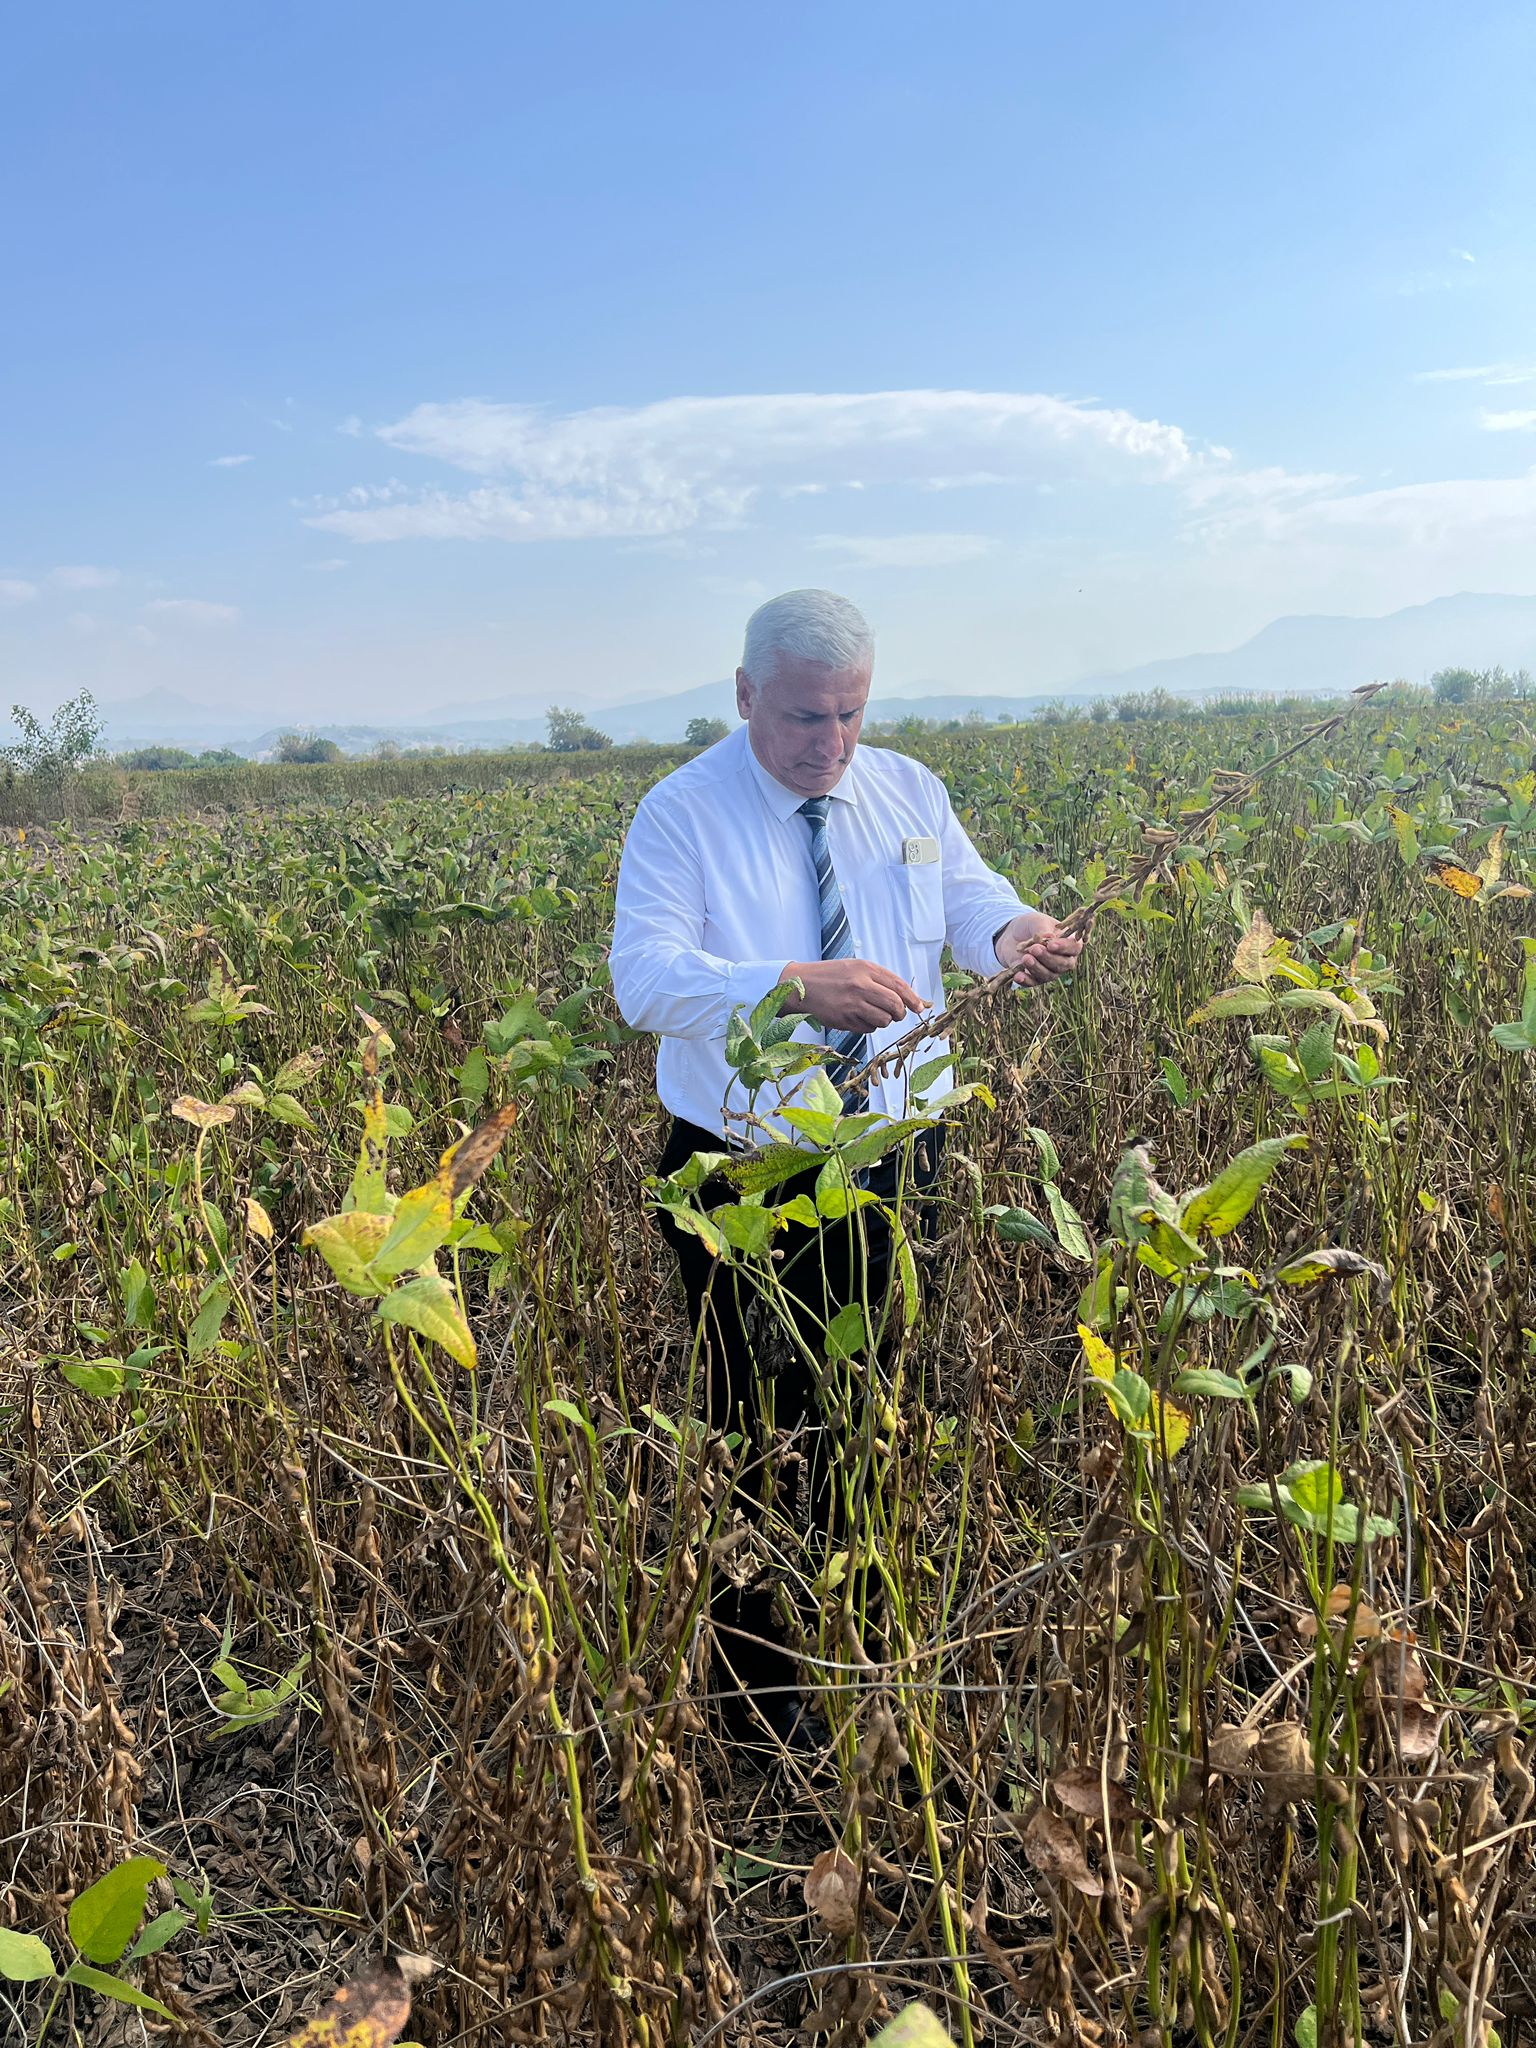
x: 804, y: 721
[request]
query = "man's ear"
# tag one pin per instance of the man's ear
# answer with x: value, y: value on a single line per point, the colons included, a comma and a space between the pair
x: 744, y: 694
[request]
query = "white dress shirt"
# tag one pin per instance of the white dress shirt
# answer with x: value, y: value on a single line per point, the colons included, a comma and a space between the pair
x: 717, y: 895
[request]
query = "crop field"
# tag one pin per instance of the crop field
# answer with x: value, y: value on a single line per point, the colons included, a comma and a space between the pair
x: 1176, y: 1646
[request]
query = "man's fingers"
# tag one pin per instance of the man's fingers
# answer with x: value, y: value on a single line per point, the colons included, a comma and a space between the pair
x: 889, y: 979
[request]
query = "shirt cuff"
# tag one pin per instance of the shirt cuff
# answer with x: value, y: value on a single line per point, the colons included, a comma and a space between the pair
x: 749, y: 981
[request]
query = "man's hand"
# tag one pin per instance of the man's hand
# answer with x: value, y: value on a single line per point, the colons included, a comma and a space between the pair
x: 849, y: 995
x: 1037, y: 948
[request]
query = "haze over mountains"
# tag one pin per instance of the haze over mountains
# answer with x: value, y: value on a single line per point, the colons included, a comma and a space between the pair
x: 1316, y: 654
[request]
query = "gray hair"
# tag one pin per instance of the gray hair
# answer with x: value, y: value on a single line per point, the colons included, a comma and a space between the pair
x: 807, y: 625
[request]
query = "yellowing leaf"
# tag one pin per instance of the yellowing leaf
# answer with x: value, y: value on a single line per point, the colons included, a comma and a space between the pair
x: 429, y: 1306
x: 367, y: 2013
x: 1099, y: 1356
x: 369, y: 1190
x: 421, y: 1221
x: 1445, y: 874
x: 349, y: 1243
x: 1168, y: 1424
x: 257, y: 1221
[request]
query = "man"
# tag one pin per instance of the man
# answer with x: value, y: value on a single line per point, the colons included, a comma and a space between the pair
x: 784, y: 854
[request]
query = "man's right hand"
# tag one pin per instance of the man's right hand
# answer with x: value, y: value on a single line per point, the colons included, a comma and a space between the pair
x: 849, y: 995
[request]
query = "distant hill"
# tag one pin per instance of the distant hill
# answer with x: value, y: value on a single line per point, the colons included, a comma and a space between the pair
x: 1320, y: 652
x: 1304, y: 653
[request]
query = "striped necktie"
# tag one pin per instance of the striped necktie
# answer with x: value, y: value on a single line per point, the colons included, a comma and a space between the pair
x: 850, y: 1048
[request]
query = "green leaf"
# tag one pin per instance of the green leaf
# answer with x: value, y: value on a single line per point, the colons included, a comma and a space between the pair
x: 766, y: 1010
x: 138, y: 1296
x: 916, y: 2027
x: 114, y: 1987
x: 799, y: 1209
x: 816, y: 1124
x: 1315, y: 1052
x: 1314, y: 1485
x: 929, y: 1072
x: 1128, y: 1394
x: 1281, y: 1071
x: 289, y: 1110
x: 420, y: 1223
x: 1233, y: 1002
x: 429, y: 1306
x: 1069, y: 1225
x: 1098, y: 1306
x: 1306, y: 2028
x: 1513, y: 1037
x: 769, y: 1167
x: 874, y: 1144
x: 475, y: 1077
x: 348, y: 1244
x: 1223, y: 1205
x: 569, y: 1412
x: 1050, y: 1158
x: 103, y: 1918
x: 1017, y: 1226
x: 689, y: 1219
x: 1221, y: 1386
x: 523, y: 1020
x: 847, y: 1335
x: 23, y: 1958
x: 101, y: 1380
x: 204, y: 1332
x: 906, y: 1269
x: 746, y: 1225
x: 1174, y: 1082
x: 817, y: 1092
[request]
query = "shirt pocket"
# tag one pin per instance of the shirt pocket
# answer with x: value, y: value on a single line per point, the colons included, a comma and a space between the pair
x: 920, y: 900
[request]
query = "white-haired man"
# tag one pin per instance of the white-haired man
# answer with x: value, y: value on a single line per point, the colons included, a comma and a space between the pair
x: 787, y: 854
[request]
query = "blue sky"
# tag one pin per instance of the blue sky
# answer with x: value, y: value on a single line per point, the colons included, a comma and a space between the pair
x: 360, y: 360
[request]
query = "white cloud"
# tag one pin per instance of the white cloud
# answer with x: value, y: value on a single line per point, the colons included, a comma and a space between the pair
x: 1228, y: 488
x: 330, y: 566
x: 230, y: 461
x: 1425, y: 515
x: 1463, y: 255
x: 83, y: 576
x: 1508, y: 422
x: 653, y: 470
x: 14, y: 591
x: 350, y: 425
x: 1481, y: 373
x: 907, y: 550
x: 193, y: 611
x: 83, y: 622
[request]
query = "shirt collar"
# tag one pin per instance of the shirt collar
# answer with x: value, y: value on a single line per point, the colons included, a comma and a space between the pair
x: 784, y: 803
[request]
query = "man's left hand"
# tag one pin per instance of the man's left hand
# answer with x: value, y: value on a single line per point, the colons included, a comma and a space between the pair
x: 1037, y: 949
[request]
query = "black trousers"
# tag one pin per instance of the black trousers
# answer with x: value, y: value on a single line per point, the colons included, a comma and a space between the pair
x: 821, y: 1271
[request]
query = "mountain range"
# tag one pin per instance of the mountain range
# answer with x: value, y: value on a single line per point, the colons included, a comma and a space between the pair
x: 1305, y: 653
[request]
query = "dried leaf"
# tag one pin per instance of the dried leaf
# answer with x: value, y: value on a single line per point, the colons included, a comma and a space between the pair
x: 367, y: 2012
x: 465, y: 1162
x: 1080, y: 1791
x: 1256, y: 950
x: 832, y: 1892
x: 1230, y: 1749
x: 1057, y: 1854
x: 203, y: 1115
